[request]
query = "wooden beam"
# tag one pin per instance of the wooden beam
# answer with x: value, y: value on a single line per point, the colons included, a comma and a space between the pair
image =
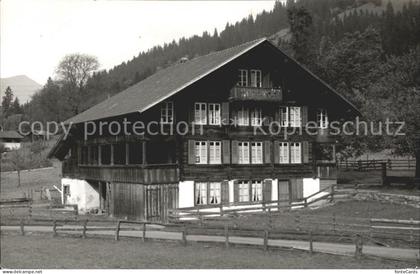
x: 143, y: 153
x: 127, y: 153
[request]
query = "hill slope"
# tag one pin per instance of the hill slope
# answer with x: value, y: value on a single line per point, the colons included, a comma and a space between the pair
x: 22, y: 86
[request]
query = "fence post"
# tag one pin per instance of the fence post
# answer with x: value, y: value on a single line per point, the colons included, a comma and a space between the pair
x: 22, y: 230
x: 117, y: 231
x: 334, y: 222
x: 359, y: 246
x: 311, y: 244
x: 263, y: 206
x: 226, y: 235
x: 144, y: 232
x: 297, y: 222
x: 265, y: 240
x: 54, y: 228
x: 184, y: 235
x: 270, y: 219
x: 84, y: 229
x: 411, y: 230
x: 383, y: 169
x: 221, y: 209
x: 30, y: 209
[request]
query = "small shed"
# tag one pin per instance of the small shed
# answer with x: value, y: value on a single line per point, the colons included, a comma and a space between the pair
x: 11, y: 139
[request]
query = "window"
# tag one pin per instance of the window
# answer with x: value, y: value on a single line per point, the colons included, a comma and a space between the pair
x: 243, y: 150
x: 167, y: 113
x: 214, y: 114
x: 295, y: 153
x: 322, y: 118
x: 256, y: 78
x: 201, y: 193
x: 215, y: 193
x: 295, y: 120
x: 84, y: 155
x: 243, y: 187
x: 119, y: 154
x: 256, y: 117
x: 200, y: 113
x: 243, y: 78
x: 284, y: 116
x: 106, y: 154
x: 201, y: 152
x: 284, y: 153
x: 66, y: 190
x: 243, y: 117
x: 256, y: 153
x: 256, y: 191
x: 135, y: 155
x: 93, y: 156
x: 215, y: 153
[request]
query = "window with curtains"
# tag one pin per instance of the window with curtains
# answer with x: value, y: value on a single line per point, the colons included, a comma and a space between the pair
x: 256, y: 78
x: 214, y: 114
x: 243, y: 78
x: 256, y: 117
x: 135, y: 153
x: 201, y: 152
x: 200, y: 113
x: 243, y: 150
x: 256, y: 191
x: 93, y: 156
x: 322, y: 118
x: 284, y: 116
x: 200, y: 193
x: 256, y: 153
x: 167, y: 113
x: 295, y: 153
x: 105, y: 154
x: 243, y: 116
x: 214, y: 193
x: 295, y: 119
x: 215, y: 151
x: 243, y: 187
x: 119, y: 154
x: 284, y: 153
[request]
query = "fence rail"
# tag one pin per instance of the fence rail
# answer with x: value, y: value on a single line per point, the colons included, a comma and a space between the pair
x: 367, y: 165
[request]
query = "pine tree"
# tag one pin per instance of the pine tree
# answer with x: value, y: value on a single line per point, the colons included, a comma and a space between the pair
x: 6, y: 102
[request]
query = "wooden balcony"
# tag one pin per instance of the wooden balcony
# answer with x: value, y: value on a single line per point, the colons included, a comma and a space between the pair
x: 148, y: 174
x: 256, y: 94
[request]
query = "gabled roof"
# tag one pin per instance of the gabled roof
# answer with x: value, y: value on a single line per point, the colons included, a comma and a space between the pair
x: 162, y: 84
x: 10, y: 134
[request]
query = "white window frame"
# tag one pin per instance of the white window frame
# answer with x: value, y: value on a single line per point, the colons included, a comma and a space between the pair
x: 256, y: 191
x: 243, y: 189
x: 322, y: 118
x: 214, y: 114
x: 201, y: 193
x: 243, y: 78
x: 295, y: 116
x: 167, y: 112
x: 215, y: 152
x: 256, y: 78
x: 284, y: 152
x: 296, y: 153
x: 256, y: 117
x: 243, y: 151
x: 256, y: 152
x: 284, y: 116
x: 200, y: 113
x: 215, y: 193
x: 243, y: 116
x: 201, y: 153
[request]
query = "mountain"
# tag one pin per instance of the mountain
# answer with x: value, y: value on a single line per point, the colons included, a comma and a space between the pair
x: 22, y: 86
x: 378, y: 7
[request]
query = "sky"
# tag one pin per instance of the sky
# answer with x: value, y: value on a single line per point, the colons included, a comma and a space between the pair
x: 36, y: 34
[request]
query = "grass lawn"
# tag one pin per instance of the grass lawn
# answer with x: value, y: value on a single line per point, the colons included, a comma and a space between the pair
x: 30, y: 179
x: 40, y: 251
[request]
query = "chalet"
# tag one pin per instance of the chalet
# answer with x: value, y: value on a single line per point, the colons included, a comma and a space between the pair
x: 10, y: 139
x: 222, y: 160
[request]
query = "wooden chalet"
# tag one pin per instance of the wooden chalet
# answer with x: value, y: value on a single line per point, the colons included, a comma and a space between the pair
x: 221, y: 98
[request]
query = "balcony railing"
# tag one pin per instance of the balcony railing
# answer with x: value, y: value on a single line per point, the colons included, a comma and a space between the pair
x: 255, y: 94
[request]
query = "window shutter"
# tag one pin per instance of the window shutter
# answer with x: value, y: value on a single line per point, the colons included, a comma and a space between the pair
x: 305, y: 152
x: 225, y: 113
x: 283, y: 188
x: 225, y: 192
x: 276, y: 152
x: 266, y: 81
x: 267, y: 152
x: 235, y: 191
x: 267, y: 190
x: 304, y: 115
x: 299, y: 186
x: 226, y: 151
x: 235, y: 153
x: 191, y: 152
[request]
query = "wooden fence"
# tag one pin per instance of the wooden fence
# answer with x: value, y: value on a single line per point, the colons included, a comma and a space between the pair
x: 367, y: 165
